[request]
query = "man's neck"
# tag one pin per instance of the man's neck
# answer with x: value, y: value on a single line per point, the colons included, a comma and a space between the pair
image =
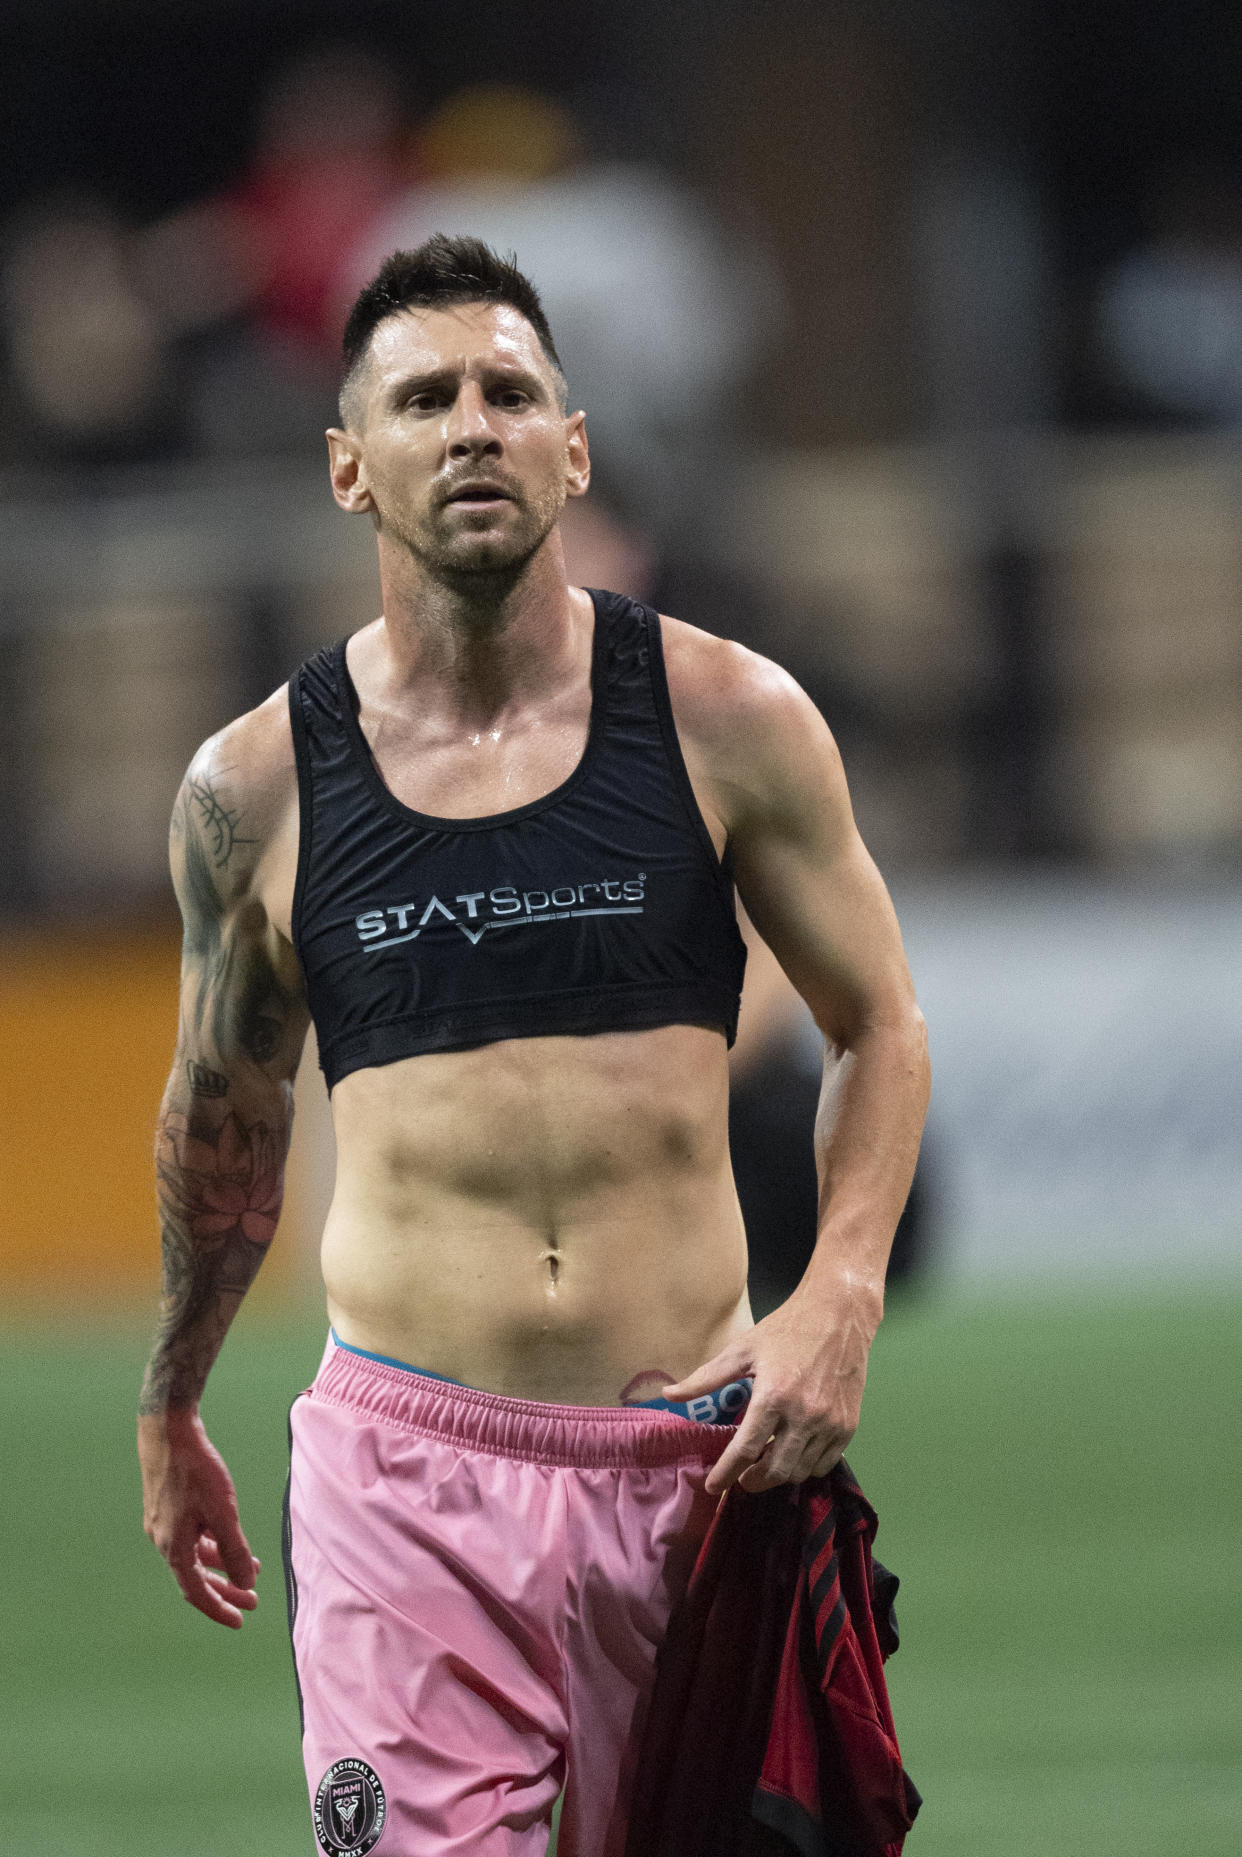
x: 480, y: 644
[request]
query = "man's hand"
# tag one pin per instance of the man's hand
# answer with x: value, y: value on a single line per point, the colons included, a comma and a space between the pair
x: 190, y: 1513
x: 808, y: 1361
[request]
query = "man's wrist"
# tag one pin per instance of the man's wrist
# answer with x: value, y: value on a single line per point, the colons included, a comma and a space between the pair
x: 161, y: 1417
x: 829, y: 1278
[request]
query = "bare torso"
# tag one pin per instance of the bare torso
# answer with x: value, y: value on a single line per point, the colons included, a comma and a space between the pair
x: 548, y: 1218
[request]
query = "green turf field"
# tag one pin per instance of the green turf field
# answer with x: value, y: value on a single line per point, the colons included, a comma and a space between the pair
x: 1058, y: 1485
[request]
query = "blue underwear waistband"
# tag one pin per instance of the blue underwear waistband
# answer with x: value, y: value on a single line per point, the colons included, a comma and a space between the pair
x: 723, y: 1407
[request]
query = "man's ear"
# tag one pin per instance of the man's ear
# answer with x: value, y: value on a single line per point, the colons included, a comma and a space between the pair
x: 579, y: 474
x: 349, y: 485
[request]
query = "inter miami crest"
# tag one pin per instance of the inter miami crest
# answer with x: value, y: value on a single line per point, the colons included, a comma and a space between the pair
x: 349, y: 1808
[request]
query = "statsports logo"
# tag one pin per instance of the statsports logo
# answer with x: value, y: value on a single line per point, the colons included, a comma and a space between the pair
x: 480, y: 912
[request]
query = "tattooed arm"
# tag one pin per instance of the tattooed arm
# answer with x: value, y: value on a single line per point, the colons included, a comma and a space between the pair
x: 220, y: 1147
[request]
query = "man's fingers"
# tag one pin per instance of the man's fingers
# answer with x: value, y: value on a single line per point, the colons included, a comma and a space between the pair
x: 781, y: 1463
x: 732, y: 1363
x: 244, y: 1597
x: 744, y: 1450
x: 816, y: 1452
x: 787, y: 1462
x: 827, y: 1460
x: 234, y: 1551
x: 204, y: 1598
x: 206, y: 1595
x: 210, y: 1555
x: 205, y: 1575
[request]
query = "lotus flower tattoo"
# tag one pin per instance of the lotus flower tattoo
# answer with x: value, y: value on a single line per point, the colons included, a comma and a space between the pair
x: 221, y: 1187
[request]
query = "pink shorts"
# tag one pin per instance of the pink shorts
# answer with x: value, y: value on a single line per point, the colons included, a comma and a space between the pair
x: 477, y: 1590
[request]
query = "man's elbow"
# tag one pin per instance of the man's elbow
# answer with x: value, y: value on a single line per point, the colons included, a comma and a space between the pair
x: 897, y: 1026
x: 920, y: 1054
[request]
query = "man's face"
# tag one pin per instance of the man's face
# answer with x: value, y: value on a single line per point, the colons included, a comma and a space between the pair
x: 456, y: 435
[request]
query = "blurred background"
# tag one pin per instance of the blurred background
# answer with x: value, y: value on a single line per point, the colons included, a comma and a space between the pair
x: 910, y: 339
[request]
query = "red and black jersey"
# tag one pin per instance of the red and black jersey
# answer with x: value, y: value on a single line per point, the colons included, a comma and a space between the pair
x: 770, y: 1729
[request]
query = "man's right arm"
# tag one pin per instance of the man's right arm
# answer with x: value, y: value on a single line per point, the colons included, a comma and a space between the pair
x: 221, y: 1144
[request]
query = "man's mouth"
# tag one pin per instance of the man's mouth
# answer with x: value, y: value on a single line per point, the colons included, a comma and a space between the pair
x: 479, y: 495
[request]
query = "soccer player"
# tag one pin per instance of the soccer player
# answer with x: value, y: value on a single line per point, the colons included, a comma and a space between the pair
x: 489, y: 844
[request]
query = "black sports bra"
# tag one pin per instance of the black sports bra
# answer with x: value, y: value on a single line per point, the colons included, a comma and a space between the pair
x: 600, y: 907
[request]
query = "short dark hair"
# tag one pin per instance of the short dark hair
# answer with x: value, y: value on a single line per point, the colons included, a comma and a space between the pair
x: 440, y: 274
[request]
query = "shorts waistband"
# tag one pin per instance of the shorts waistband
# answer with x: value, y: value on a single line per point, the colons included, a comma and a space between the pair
x: 582, y: 1437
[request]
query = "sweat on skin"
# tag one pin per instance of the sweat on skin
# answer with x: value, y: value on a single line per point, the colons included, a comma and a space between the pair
x: 608, y: 1153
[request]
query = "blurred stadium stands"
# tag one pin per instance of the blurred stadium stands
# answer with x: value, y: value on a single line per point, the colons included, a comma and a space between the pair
x: 958, y: 442
x: 955, y: 432
x: 142, y: 614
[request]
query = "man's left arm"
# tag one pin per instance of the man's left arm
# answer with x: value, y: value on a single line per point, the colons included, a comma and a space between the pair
x: 819, y: 902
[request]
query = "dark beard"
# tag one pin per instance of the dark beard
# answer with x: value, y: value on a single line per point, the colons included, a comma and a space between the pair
x: 483, y: 582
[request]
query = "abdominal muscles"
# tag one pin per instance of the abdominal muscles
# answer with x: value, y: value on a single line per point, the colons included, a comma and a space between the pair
x: 545, y: 1217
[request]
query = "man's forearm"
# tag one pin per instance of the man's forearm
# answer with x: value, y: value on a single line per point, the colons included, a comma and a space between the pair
x: 867, y: 1136
x: 220, y: 1182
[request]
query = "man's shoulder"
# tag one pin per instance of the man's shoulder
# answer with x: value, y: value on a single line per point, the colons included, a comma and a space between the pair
x: 239, y: 796
x: 731, y: 701
x: 253, y: 753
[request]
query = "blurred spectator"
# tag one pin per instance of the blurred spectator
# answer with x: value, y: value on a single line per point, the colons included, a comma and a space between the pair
x: 609, y: 544
x: 217, y: 327
x: 256, y: 266
x: 1169, y: 315
x: 657, y: 314
x: 88, y: 356
x: 776, y: 1065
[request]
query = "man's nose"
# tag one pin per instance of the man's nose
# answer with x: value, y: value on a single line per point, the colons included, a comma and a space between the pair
x: 469, y: 427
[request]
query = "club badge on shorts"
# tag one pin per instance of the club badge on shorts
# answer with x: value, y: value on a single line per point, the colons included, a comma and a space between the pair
x: 349, y: 1808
